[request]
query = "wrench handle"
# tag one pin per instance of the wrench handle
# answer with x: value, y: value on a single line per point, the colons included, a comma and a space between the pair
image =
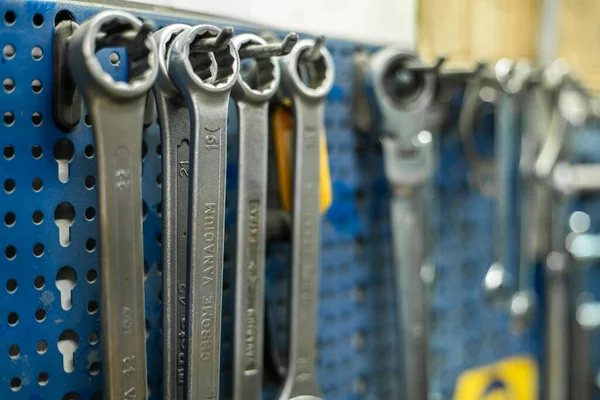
x: 409, y: 258
x: 208, y: 119
x: 118, y: 133
x: 175, y: 130
x: 250, y: 262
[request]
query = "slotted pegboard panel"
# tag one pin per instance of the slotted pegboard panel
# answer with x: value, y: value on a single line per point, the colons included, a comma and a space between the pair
x: 357, y: 322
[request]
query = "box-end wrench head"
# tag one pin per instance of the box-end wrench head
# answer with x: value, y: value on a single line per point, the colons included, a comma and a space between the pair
x: 117, y: 110
x: 174, y: 121
x: 307, y: 80
x: 254, y: 88
x: 205, y: 80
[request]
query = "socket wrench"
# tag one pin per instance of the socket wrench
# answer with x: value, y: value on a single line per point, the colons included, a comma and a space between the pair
x: 404, y: 99
x: 307, y: 77
x: 174, y: 121
x: 204, y: 65
x: 117, y: 111
x: 255, y: 86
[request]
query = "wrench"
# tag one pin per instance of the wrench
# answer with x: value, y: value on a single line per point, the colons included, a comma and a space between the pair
x: 117, y: 110
x: 404, y: 99
x: 174, y: 121
x: 307, y: 77
x: 204, y: 65
x: 252, y: 93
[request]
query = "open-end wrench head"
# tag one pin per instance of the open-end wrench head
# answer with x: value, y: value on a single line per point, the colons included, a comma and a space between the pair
x: 165, y: 38
x: 260, y: 83
x: 196, y: 67
x: 87, y: 40
x: 321, y: 71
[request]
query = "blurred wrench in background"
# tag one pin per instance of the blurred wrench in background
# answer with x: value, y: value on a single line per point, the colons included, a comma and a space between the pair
x: 307, y: 77
x: 117, y: 111
x: 174, y: 121
x: 257, y: 83
x: 204, y: 65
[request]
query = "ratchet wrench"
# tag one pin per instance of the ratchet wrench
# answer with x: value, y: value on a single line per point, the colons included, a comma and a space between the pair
x: 174, y: 121
x: 117, y: 110
x: 404, y: 99
x: 252, y: 92
x: 307, y: 77
x: 204, y: 65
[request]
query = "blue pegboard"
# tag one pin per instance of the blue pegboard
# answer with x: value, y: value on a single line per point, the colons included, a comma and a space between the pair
x: 356, y: 315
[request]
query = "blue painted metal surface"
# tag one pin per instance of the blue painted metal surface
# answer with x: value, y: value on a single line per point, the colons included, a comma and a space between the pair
x: 356, y: 315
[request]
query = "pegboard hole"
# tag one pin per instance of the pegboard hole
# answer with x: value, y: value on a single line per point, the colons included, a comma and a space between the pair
x: 9, y: 85
x: 90, y: 245
x: 90, y: 213
x: 9, y: 51
x: 10, y: 252
x: 144, y: 209
x: 148, y: 327
x: 9, y: 186
x: 13, y: 319
x: 10, y: 219
x: 9, y: 152
x: 43, y: 378
x: 146, y: 269
x: 14, y: 351
x: 39, y: 282
x: 37, y: 184
x: 93, y: 338
x: 144, y: 150
x: 71, y: 396
x: 38, y: 20
x: 66, y: 279
x: 159, y: 180
x: 94, y: 368
x: 87, y: 120
x: 38, y: 249
x: 159, y: 208
x: 10, y: 17
x: 9, y: 118
x: 68, y: 342
x: 63, y: 15
x: 40, y: 315
x: 36, y: 86
x: 11, y: 285
x: 41, y: 347
x: 114, y: 59
x: 89, y: 151
x: 159, y: 150
x: 64, y: 215
x: 15, y: 384
x: 63, y: 154
x: 90, y: 182
x: 91, y: 276
x: 37, y: 217
x: 36, y: 119
x: 37, y: 53
x: 36, y: 152
x: 92, y: 307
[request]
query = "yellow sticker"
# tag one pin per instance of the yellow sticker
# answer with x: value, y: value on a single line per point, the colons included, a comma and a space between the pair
x: 283, y: 126
x: 513, y: 378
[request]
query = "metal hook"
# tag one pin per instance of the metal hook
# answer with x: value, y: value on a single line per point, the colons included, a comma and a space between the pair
x: 217, y: 43
x: 314, y: 53
x: 270, y: 50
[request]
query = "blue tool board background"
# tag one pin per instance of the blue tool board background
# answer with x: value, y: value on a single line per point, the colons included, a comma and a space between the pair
x: 357, y: 323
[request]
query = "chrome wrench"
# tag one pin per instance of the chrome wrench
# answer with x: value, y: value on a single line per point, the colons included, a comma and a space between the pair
x: 252, y: 93
x: 404, y: 100
x: 174, y: 121
x: 307, y: 92
x: 204, y: 65
x: 117, y: 110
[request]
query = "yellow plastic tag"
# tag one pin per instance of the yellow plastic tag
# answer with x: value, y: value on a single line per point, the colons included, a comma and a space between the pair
x: 283, y: 126
x: 513, y: 378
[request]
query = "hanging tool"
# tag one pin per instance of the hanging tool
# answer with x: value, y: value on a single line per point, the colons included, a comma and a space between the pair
x: 404, y: 98
x: 117, y: 110
x: 252, y: 92
x: 307, y: 77
x: 204, y: 65
x: 174, y: 121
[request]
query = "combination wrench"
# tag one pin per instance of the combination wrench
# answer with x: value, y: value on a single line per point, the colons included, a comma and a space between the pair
x: 174, y: 121
x: 204, y: 65
x: 252, y: 92
x: 404, y: 99
x: 307, y: 77
x: 117, y: 111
